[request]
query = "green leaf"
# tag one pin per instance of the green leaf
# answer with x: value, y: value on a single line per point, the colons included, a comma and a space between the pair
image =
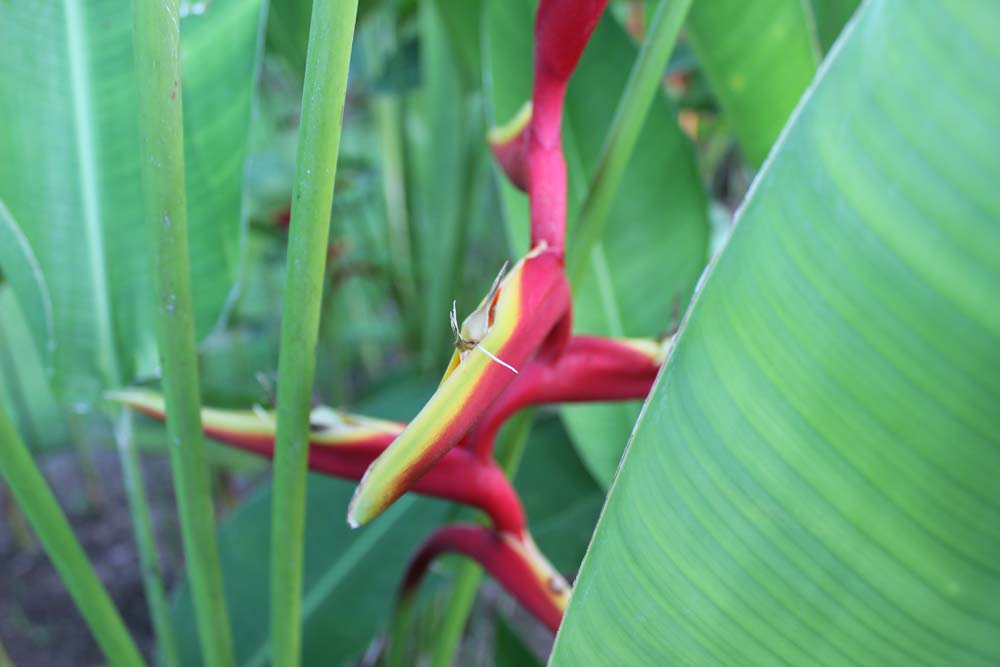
x: 461, y: 20
x: 560, y: 497
x: 24, y: 382
x: 814, y: 478
x: 510, y: 650
x: 70, y: 171
x: 830, y: 17
x: 288, y: 29
x: 19, y: 267
x: 26, y: 341
x: 759, y: 57
x: 445, y: 138
x: 657, y: 231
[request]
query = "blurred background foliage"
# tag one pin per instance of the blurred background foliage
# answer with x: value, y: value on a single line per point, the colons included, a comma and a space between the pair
x: 421, y: 217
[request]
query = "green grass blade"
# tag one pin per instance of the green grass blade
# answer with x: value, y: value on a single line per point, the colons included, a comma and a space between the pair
x: 643, y: 84
x: 330, y: 39
x: 157, y: 54
x: 39, y: 504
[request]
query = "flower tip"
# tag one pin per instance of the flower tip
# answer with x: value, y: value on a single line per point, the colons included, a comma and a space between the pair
x: 510, y: 148
x: 361, y: 509
x: 138, y: 399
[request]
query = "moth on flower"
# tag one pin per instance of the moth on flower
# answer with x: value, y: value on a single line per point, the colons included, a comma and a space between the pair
x: 477, y: 325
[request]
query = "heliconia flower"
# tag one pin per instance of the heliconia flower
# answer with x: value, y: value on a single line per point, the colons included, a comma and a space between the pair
x: 344, y: 445
x: 587, y: 368
x: 512, y: 560
x: 509, y: 143
x: 526, y: 311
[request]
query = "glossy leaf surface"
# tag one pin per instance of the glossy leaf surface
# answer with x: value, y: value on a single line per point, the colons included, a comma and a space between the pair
x: 70, y: 171
x: 813, y: 479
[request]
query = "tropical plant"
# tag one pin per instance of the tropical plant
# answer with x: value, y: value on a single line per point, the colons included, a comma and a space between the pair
x: 811, y: 478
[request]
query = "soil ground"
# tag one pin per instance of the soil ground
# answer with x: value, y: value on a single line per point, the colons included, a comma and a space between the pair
x: 39, y: 624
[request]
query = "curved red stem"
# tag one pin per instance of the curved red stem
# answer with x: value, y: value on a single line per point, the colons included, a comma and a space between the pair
x: 516, y: 564
x: 589, y: 368
x: 562, y: 29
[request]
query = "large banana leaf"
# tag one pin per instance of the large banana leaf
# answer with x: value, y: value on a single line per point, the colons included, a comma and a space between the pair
x: 813, y: 480
x: 657, y: 230
x: 759, y: 57
x: 70, y: 171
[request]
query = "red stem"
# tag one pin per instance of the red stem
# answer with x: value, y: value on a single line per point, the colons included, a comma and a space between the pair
x: 562, y: 29
x: 457, y: 476
x: 505, y: 562
x: 589, y: 368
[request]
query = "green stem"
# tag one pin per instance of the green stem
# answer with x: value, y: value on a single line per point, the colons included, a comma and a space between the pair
x: 53, y: 530
x: 94, y: 499
x: 512, y: 441
x: 643, y: 83
x: 145, y: 542
x: 157, y: 58
x: 331, y: 34
x: 5, y: 660
x: 387, y: 114
x: 17, y: 523
x: 18, y: 401
x: 468, y: 576
x: 400, y: 628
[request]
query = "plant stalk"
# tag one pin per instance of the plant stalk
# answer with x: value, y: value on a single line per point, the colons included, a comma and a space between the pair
x: 331, y: 34
x: 17, y: 523
x: 145, y: 542
x: 39, y: 504
x: 643, y: 83
x: 157, y: 58
x: 93, y: 493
